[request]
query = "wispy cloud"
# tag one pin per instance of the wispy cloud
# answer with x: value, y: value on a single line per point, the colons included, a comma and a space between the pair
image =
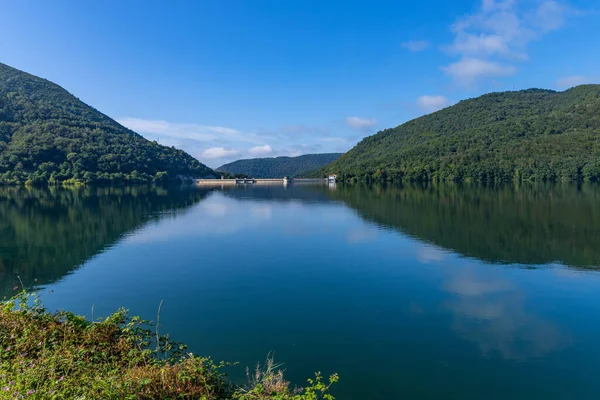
x: 497, y: 34
x: 218, y: 145
x: 416, y: 45
x: 260, y: 150
x: 480, y: 45
x: 361, y: 124
x: 468, y: 71
x: 433, y: 103
x: 220, y: 152
x: 575, y: 80
x: 295, y: 150
x: 179, y: 130
x: 550, y: 15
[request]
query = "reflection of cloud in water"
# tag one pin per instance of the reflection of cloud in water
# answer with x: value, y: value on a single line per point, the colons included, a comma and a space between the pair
x: 216, y: 215
x: 568, y: 273
x: 263, y: 211
x: 469, y: 285
x: 361, y: 235
x: 430, y: 254
x: 214, y: 208
x: 295, y: 229
x: 492, y: 312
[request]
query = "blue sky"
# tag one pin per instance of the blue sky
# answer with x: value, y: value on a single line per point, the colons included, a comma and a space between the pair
x: 229, y: 79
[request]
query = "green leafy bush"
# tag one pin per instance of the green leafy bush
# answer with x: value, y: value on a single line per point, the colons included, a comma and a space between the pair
x: 61, y: 355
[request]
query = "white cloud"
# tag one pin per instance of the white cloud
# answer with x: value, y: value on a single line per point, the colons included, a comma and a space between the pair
x: 500, y: 31
x: 416, y: 45
x: 550, y: 15
x: 479, y: 44
x: 361, y: 123
x: 205, y: 142
x: 179, y: 130
x: 217, y: 145
x: 260, y: 150
x: 468, y: 71
x: 299, y: 149
x: 432, y: 103
x: 575, y: 80
x: 220, y: 152
x: 201, y: 141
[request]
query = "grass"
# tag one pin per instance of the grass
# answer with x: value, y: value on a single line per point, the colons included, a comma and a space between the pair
x: 60, y: 355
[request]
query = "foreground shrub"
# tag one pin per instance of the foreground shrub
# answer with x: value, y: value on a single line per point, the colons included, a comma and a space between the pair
x: 61, y: 355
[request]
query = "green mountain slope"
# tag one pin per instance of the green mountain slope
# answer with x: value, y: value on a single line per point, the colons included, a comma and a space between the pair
x: 279, y: 167
x: 47, y: 134
x: 527, y: 135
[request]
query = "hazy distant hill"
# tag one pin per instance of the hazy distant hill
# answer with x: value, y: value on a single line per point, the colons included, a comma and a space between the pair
x: 526, y: 135
x: 47, y: 134
x: 279, y: 167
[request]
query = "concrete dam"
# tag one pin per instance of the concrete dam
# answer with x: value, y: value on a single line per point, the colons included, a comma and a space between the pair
x: 257, y: 181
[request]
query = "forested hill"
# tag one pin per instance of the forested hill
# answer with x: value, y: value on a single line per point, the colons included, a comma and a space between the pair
x: 532, y: 134
x: 279, y: 167
x: 48, y: 135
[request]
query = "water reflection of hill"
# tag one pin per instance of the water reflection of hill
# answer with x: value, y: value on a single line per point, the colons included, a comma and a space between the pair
x: 45, y: 234
x: 528, y: 225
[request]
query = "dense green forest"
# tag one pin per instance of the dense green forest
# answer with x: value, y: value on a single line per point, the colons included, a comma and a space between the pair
x: 47, y: 135
x: 278, y: 167
x: 529, y: 135
x: 527, y: 223
x: 45, y: 233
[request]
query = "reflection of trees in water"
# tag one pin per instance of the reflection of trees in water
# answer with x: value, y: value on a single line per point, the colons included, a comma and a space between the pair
x: 527, y: 224
x: 491, y: 312
x: 45, y: 234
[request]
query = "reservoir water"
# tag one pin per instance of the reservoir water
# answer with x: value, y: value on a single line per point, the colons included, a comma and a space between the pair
x: 406, y: 292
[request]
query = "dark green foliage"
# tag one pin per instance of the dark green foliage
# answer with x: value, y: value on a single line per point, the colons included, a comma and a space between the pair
x: 536, y: 135
x: 278, y: 167
x: 49, y: 136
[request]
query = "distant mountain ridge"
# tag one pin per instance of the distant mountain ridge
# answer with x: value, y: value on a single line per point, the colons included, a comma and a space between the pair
x: 529, y: 135
x: 278, y: 167
x: 48, y: 135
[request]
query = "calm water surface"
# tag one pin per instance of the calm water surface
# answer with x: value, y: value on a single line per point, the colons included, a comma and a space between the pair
x: 442, y: 292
